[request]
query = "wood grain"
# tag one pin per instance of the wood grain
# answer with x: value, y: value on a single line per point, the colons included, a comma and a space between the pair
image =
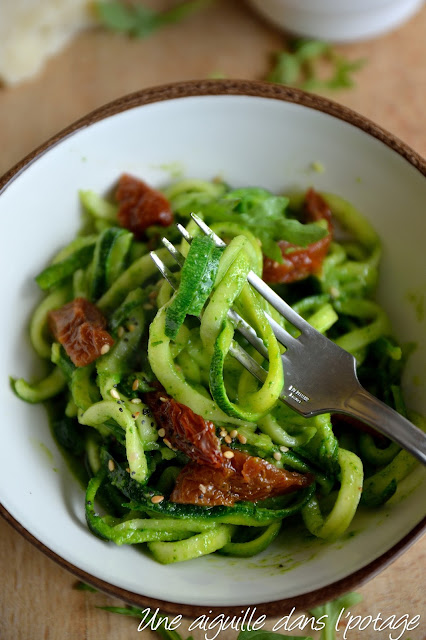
x: 37, y: 600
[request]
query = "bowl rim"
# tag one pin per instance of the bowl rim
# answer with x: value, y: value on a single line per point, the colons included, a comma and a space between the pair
x: 198, y: 88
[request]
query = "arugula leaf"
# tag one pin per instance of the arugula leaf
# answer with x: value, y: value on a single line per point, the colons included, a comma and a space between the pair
x: 259, y: 210
x: 332, y: 610
x: 82, y: 586
x: 299, y: 66
x: 311, y: 49
x: 133, y: 612
x: 264, y: 214
x: 139, y: 21
x: 287, y: 69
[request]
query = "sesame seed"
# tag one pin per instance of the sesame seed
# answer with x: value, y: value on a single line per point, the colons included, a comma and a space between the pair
x: 283, y: 448
x: 111, y: 465
x: 135, y: 400
x: 137, y: 414
x: 229, y: 454
x: 167, y: 443
x: 161, y: 432
x: 162, y: 399
x: 202, y: 488
x: 105, y: 349
x: 135, y: 385
x: 157, y: 499
x: 128, y: 470
x: 277, y: 455
x: 233, y: 433
x: 115, y: 394
x: 120, y: 332
x: 131, y: 327
x: 223, y: 433
x: 242, y: 438
x: 228, y: 439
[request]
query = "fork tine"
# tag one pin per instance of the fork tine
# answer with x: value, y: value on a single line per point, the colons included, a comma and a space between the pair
x: 235, y: 350
x: 218, y: 241
x: 184, y: 233
x: 241, y: 325
x: 165, y: 271
x: 247, y: 361
x: 282, y: 335
x: 248, y: 332
x: 261, y: 287
x: 173, y: 252
x: 279, y: 304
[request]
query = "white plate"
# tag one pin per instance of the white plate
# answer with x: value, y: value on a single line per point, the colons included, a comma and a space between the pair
x: 268, y: 141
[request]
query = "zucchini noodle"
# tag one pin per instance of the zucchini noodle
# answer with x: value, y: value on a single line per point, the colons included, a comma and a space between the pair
x: 180, y: 341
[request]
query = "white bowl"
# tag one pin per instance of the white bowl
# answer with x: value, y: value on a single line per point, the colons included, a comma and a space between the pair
x: 252, y: 134
x: 337, y: 20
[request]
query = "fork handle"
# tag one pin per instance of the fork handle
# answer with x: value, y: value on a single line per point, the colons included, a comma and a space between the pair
x: 361, y: 404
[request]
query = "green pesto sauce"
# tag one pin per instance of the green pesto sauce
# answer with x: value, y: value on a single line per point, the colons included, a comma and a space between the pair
x: 294, y: 547
x: 46, y: 451
x: 75, y: 464
x: 400, y: 495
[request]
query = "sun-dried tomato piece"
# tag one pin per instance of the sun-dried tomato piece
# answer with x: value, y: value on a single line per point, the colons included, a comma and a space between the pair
x: 315, y: 208
x: 243, y: 477
x: 185, y: 430
x: 141, y: 206
x: 80, y: 327
x: 300, y: 262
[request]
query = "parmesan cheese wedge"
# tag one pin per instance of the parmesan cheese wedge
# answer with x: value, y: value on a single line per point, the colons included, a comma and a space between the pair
x: 33, y: 30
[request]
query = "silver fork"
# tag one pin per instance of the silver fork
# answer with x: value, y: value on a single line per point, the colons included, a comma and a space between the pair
x: 319, y: 376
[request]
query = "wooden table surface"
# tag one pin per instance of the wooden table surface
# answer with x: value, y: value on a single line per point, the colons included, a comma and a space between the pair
x: 37, y: 599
